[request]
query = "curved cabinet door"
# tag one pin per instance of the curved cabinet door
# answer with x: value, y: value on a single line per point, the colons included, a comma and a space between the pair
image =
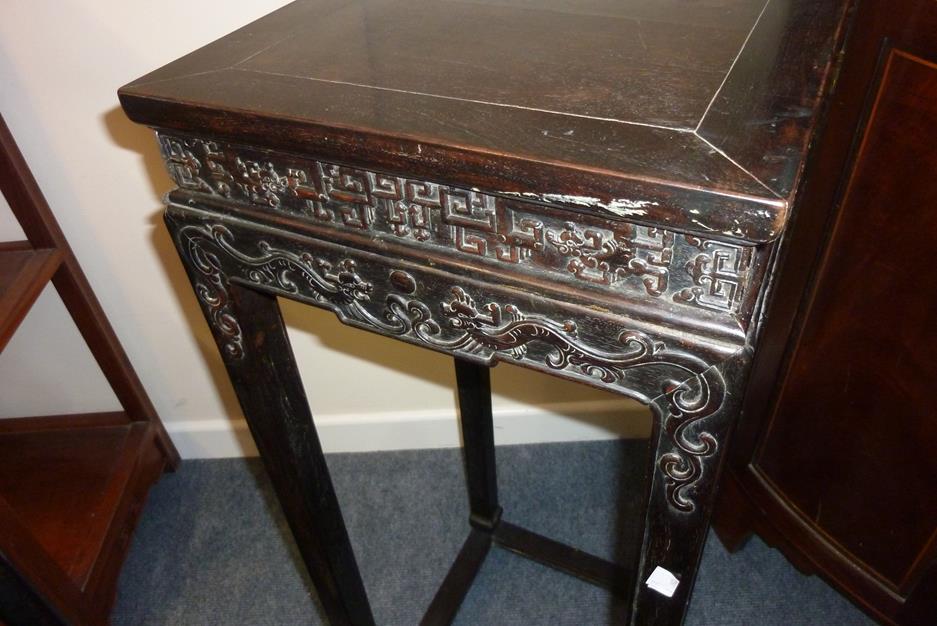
x: 836, y: 457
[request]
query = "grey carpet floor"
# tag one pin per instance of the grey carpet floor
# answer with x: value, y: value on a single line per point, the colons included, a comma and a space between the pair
x: 212, y: 547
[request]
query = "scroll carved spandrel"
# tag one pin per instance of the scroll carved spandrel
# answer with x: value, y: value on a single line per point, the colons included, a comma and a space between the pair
x: 622, y: 257
x: 692, y: 447
x: 210, y: 283
x: 461, y: 326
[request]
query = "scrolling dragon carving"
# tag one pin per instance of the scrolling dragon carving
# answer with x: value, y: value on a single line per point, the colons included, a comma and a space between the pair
x: 491, y: 331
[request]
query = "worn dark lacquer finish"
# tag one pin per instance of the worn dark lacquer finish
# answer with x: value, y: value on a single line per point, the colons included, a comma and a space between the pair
x: 591, y: 189
x: 835, y: 461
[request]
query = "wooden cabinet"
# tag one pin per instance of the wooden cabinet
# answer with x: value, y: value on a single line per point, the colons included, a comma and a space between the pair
x: 835, y: 461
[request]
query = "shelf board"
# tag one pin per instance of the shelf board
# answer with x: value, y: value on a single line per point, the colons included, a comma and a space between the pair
x: 66, y: 480
x: 24, y: 272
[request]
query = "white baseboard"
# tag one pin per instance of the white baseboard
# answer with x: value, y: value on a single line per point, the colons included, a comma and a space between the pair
x: 368, y: 432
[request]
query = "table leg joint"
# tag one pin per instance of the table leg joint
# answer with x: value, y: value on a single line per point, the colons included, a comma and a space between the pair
x: 564, y: 558
x: 442, y: 610
x: 486, y: 523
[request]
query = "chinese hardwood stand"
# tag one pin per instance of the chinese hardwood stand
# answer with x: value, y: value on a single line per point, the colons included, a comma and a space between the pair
x: 596, y: 190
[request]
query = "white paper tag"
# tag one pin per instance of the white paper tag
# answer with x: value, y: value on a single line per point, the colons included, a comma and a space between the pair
x: 662, y: 581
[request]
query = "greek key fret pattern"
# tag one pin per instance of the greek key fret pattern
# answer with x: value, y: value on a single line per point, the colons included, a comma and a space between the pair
x: 613, y: 255
x: 719, y: 275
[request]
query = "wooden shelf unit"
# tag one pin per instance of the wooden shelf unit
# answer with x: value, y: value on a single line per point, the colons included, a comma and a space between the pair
x: 71, y: 486
x: 24, y: 272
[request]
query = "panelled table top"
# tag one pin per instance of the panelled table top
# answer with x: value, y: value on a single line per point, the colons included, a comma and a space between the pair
x: 693, y: 115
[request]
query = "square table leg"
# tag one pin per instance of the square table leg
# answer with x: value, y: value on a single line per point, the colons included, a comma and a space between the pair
x: 688, y: 447
x: 478, y: 441
x: 260, y: 363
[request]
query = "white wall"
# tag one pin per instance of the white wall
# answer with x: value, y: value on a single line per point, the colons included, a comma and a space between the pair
x: 61, y: 62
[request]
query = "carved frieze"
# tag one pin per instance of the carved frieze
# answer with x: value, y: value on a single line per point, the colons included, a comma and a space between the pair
x: 444, y: 315
x: 617, y: 256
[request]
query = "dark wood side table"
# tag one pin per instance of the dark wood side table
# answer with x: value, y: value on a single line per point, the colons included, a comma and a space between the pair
x: 592, y: 189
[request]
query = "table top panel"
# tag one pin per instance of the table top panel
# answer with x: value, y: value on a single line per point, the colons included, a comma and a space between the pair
x: 576, y: 62
x: 624, y: 102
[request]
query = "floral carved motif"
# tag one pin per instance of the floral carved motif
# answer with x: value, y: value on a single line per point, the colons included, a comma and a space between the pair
x: 630, y: 251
